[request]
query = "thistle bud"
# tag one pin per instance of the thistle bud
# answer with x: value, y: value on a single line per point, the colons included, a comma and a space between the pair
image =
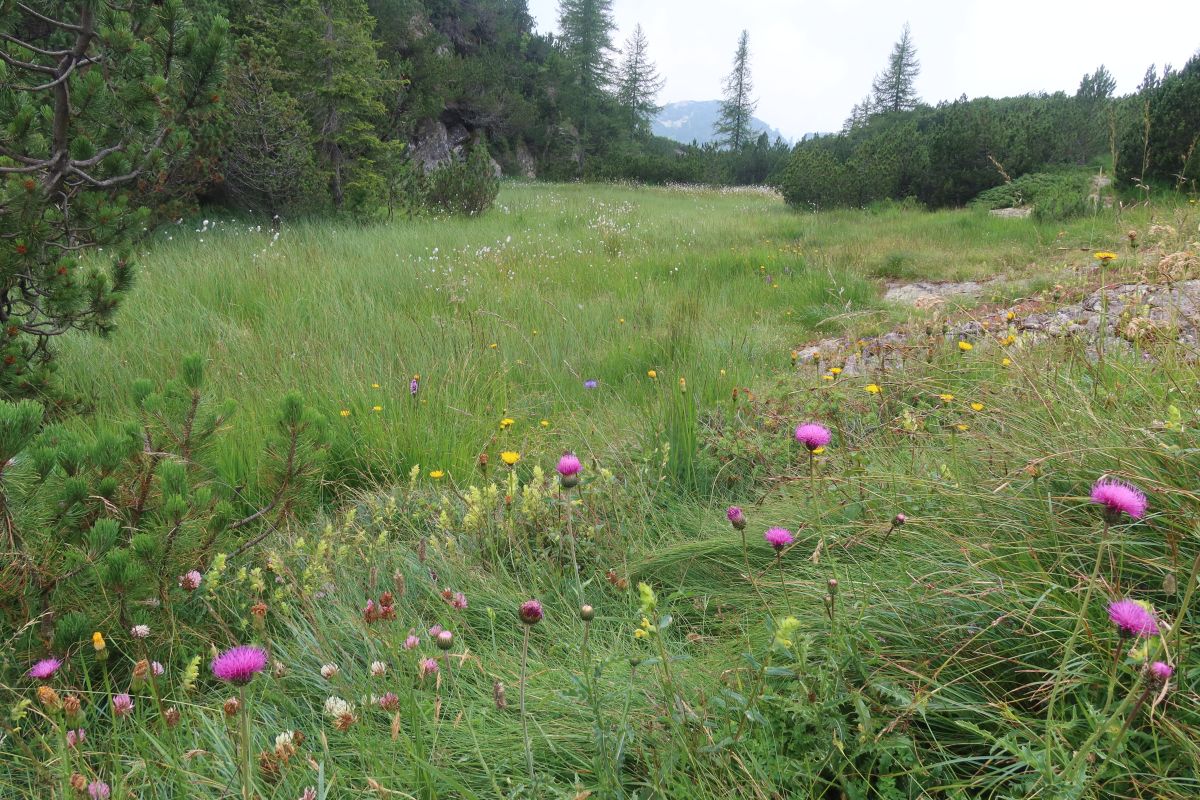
x: 899, y: 520
x: 445, y: 640
x: 499, y: 696
x: 49, y: 698
x: 231, y: 707
x: 587, y: 613
x: 171, y: 716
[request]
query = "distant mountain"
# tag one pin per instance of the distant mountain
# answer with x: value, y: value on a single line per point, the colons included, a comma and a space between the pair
x: 694, y: 119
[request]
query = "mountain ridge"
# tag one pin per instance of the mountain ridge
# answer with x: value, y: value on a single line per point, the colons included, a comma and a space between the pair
x: 686, y: 121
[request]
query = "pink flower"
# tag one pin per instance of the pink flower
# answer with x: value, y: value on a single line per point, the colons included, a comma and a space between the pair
x: 98, y: 790
x: 411, y: 642
x: 459, y: 601
x: 76, y: 737
x: 156, y: 668
x: 445, y: 640
x: 435, y: 630
x: 778, y: 538
x: 1161, y: 672
x: 190, y: 581
x: 1118, y: 498
x: 569, y: 465
x: 530, y: 612
x: 240, y: 664
x: 813, y: 436
x: 428, y: 667
x: 44, y: 668
x: 736, y: 518
x: 139, y: 631
x: 389, y: 702
x: 122, y: 705
x: 1132, y: 618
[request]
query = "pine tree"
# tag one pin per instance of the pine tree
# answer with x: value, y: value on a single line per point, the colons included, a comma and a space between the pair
x: 894, y: 89
x: 639, y: 83
x: 586, y: 31
x: 95, y: 101
x: 737, y: 109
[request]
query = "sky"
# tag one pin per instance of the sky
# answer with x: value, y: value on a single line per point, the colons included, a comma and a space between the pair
x: 813, y: 59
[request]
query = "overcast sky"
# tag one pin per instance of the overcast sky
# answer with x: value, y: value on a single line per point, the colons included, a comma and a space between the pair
x: 813, y: 59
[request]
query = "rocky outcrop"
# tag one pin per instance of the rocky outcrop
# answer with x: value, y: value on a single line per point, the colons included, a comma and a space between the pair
x: 525, y: 164
x: 438, y: 142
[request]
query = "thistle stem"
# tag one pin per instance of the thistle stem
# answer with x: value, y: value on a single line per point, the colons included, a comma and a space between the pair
x: 524, y: 718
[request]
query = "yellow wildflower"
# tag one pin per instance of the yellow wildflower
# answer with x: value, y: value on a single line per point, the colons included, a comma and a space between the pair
x: 652, y: 373
x: 620, y: 320
x: 437, y: 474
x: 374, y: 385
x: 1010, y: 316
x: 510, y: 457
x: 640, y: 634
x: 545, y: 423
x: 1006, y: 362
x: 826, y: 377
x: 345, y: 412
x: 506, y: 423
x: 722, y: 373
x: 377, y: 409
x: 98, y: 641
x: 966, y: 346
x: 946, y: 398
x: 962, y: 426
x: 1008, y: 340
x: 835, y: 370
x: 872, y: 388
x: 977, y: 406
x: 682, y: 384
x: 818, y: 451
x: 1104, y: 256
x: 493, y: 346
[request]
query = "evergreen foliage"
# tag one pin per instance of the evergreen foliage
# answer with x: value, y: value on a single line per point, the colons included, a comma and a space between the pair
x: 737, y: 109
x: 894, y: 89
x: 97, y: 102
x: 639, y: 83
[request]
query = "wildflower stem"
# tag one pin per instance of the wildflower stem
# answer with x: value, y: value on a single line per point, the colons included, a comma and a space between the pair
x: 524, y: 718
x: 247, y: 767
x: 782, y: 583
x: 571, y: 545
x: 1056, y: 689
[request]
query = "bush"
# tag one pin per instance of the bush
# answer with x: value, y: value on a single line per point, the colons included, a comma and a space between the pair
x: 466, y: 187
x: 1053, y: 195
x: 102, y: 520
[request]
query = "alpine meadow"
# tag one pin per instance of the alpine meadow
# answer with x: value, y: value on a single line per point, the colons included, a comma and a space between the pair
x: 387, y: 411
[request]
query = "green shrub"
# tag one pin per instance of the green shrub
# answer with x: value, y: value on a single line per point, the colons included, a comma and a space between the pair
x: 1053, y: 195
x: 466, y: 187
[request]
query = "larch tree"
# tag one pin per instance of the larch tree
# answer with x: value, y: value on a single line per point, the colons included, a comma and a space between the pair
x: 639, y: 83
x: 895, y: 88
x: 732, y: 127
x: 586, y: 34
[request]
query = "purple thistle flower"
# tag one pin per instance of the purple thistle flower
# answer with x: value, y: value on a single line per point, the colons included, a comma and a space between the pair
x: 44, y: 668
x: 445, y: 640
x: 428, y: 667
x: 98, y: 790
x: 435, y: 630
x: 122, y: 705
x: 591, y: 383
x: 813, y: 436
x: 411, y: 642
x: 1118, y: 498
x: 736, y: 518
x: 240, y: 664
x: 413, y: 387
x: 1161, y: 671
x: 569, y: 465
x: 1132, y: 618
x: 530, y: 612
x: 778, y: 538
x: 459, y: 602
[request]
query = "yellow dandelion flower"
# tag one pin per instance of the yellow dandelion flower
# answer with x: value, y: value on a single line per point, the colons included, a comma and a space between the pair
x: 962, y: 426
x: 966, y: 346
x: 545, y: 423
x: 682, y: 384
x: 946, y: 398
x: 795, y: 355
x: 1006, y: 362
x: 437, y: 474
x: 826, y: 377
x: 374, y: 385
x: 493, y: 346
x: 872, y: 388
x: 345, y: 412
x: 510, y: 457
x: 98, y: 641
x: 377, y: 409
x: 1104, y: 256
x: 1008, y: 341
x: 506, y: 423
x: 835, y: 370
x: 1010, y: 316
x: 818, y: 451
x: 977, y: 406
x: 652, y: 373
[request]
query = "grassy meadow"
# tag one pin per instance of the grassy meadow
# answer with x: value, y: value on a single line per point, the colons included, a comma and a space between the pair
x: 966, y: 653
